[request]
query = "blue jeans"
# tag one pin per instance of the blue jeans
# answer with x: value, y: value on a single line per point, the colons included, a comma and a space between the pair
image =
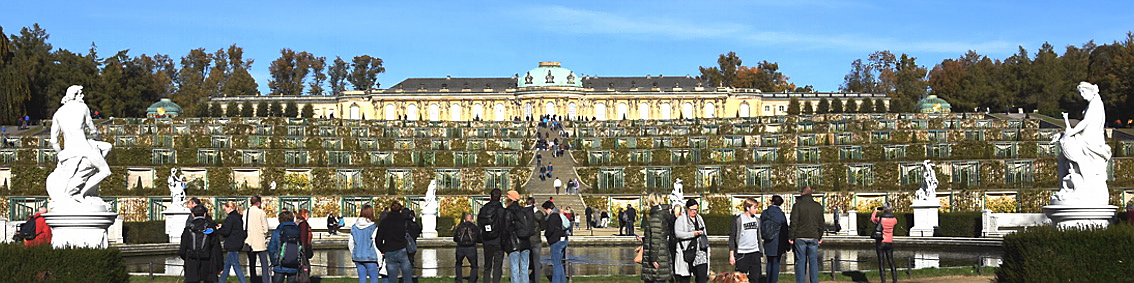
x: 518, y: 263
x: 558, y: 275
x: 773, y: 268
x: 232, y: 259
x: 398, y: 261
x: 367, y: 269
x: 807, y: 260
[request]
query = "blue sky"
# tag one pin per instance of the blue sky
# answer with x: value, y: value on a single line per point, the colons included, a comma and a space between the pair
x: 813, y: 41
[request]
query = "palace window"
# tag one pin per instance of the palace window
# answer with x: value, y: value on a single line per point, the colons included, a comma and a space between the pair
x: 807, y: 154
x: 610, y: 178
x: 984, y: 124
x: 861, y: 174
x: 708, y: 177
x: 382, y: 157
x: 348, y: 179
x: 1019, y: 172
x: 910, y: 173
x: 512, y: 143
x: 296, y: 157
x: 659, y: 177
x: 758, y: 176
x: 808, y: 174
x: 448, y: 178
x: 353, y: 205
x: 147, y: 129
x: 765, y: 154
x: 46, y: 155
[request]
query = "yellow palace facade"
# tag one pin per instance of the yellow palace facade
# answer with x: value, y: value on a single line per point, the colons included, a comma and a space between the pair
x: 550, y: 89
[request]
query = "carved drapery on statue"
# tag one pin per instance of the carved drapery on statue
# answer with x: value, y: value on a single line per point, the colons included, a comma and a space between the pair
x: 81, y: 165
x: 1084, y: 155
x: 928, y: 191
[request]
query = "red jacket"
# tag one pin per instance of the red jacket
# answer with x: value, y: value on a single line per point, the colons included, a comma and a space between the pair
x: 42, y: 232
x: 888, y: 224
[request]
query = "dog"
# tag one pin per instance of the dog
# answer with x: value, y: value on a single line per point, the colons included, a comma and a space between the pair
x: 728, y: 277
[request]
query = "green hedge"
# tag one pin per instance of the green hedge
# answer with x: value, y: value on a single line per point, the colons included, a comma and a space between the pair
x: 959, y: 224
x: 717, y: 224
x: 905, y: 222
x: 148, y: 232
x: 1047, y: 254
x: 21, y: 264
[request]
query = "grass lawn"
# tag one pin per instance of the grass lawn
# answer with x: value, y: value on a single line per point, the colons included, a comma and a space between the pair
x: 846, y: 276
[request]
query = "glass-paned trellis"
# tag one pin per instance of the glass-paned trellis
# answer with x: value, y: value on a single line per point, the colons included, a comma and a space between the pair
x: 1005, y: 149
x: 348, y: 179
x: 610, y: 178
x: 966, y: 173
x: 844, y: 138
x: 897, y: 151
x: 497, y: 178
x: 663, y: 142
x: 252, y: 156
x: 45, y: 155
x: 399, y: 179
x: 264, y: 130
x: 512, y: 143
x: 708, y: 177
x: 807, y: 154
x: 351, y: 206
x: 403, y: 144
x: 699, y: 142
x: 765, y: 154
x: 448, y: 178
x: 974, y: 135
x: 214, y: 129
x: 888, y: 124
x: 880, y: 136
x: 164, y: 156
x: 382, y: 157
x: 163, y: 141
x: 850, y: 152
x: 724, y: 155
x: 805, y: 126
x: 464, y: 157
x: 295, y: 142
x: 454, y: 133
x: 475, y: 144
x: 1019, y: 172
x: 910, y: 173
x: 296, y: 130
x: 1010, y: 134
x: 733, y: 141
x: 758, y: 176
x: 921, y: 124
x: 156, y: 206
x: 20, y: 208
x: 296, y: 157
x: 938, y: 135
x: 258, y: 141
x: 359, y: 132
x: 836, y: 126
x: 218, y: 205
x: 685, y: 156
x: 294, y: 203
x: 326, y: 131
x: 507, y: 158
x: 338, y: 157
x: 439, y: 144
x: 122, y: 141
x: 598, y: 157
x: 939, y: 150
x: 8, y: 155
x: 368, y: 144
x: 332, y: 143
x: 644, y: 156
x: 1047, y: 149
x: 147, y: 129
x: 220, y: 141
x: 806, y: 140
x: 626, y: 143
x: 808, y: 174
x: 423, y: 158
x: 659, y: 177
x: 860, y: 174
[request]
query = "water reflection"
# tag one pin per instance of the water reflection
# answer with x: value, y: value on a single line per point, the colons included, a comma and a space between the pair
x: 593, y: 260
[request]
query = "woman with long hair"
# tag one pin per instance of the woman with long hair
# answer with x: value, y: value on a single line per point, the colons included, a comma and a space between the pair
x: 657, y: 257
x: 885, y: 246
x: 363, y: 250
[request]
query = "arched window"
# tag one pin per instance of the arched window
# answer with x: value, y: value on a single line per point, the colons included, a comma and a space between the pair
x: 499, y: 111
x: 666, y: 111
x: 600, y: 111
x: 477, y: 111
x: 455, y: 112
x: 623, y: 111
x: 687, y: 110
x: 355, y: 112
x: 391, y: 112
x: 434, y: 112
x: 411, y: 112
x: 549, y: 108
x: 710, y: 110
x: 571, y: 111
x: 745, y: 110
x: 643, y: 111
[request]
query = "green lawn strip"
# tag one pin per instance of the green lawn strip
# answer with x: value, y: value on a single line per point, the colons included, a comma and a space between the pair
x: 824, y: 276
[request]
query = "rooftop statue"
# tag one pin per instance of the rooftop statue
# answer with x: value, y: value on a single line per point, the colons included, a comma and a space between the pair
x: 928, y: 190
x: 81, y: 162
x: 1084, y: 155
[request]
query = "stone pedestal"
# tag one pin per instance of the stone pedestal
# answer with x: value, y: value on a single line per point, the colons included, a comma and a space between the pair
x: 852, y: 223
x: 79, y: 229
x: 175, y: 222
x: 1079, y: 216
x: 925, y: 219
x: 428, y: 225
x: 990, y: 227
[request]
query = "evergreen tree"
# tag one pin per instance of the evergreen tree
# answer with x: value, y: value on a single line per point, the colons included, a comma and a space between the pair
x: 263, y: 109
x: 824, y: 106
x: 879, y: 107
x: 867, y: 106
x: 365, y: 72
x: 202, y: 110
x: 338, y: 73
x: 808, y: 108
x: 308, y: 111
x: 241, y: 84
x: 725, y: 74
x: 275, y: 109
x: 793, y: 106
x: 246, y: 109
x: 836, y: 106
x: 851, y: 106
x: 215, y: 110
x: 291, y: 110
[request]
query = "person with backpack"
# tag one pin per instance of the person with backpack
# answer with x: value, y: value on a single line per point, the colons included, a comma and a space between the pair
x: 466, y: 236
x: 491, y: 221
x: 285, y: 250
x: 413, y: 231
x: 392, y: 241
x: 774, y: 231
x: 631, y: 216
x: 555, y: 233
x: 516, y: 239
x: 535, y: 268
x: 884, y: 240
x: 233, y: 232
x: 363, y: 250
x: 35, y: 231
x: 692, y: 257
x: 256, y: 222
x: 201, y: 248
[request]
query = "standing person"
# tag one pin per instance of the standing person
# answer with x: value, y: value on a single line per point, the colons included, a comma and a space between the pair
x: 257, y: 222
x: 332, y: 224
x: 657, y: 259
x: 806, y: 234
x: 466, y: 236
x: 775, y: 228
x: 190, y: 204
x: 556, y: 235
x: 491, y: 221
x: 570, y: 214
x: 363, y: 250
x: 543, y: 174
x: 201, y: 248
x: 516, y: 237
x: 744, y: 246
x: 631, y: 218
x: 305, y: 237
x: 392, y: 241
x: 557, y: 184
x: 885, y: 246
x: 605, y: 218
x: 534, y: 266
x: 42, y: 234
x: 690, y: 232
x: 234, y: 234
x: 550, y: 168
x: 285, y: 260
x: 590, y: 213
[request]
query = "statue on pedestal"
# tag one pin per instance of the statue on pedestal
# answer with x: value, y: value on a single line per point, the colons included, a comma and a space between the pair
x: 81, y: 162
x: 928, y: 191
x: 1084, y: 155
x: 176, y: 188
x: 431, y: 203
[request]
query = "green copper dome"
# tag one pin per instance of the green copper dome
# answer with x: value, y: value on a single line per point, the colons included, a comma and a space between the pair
x: 549, y: 74
x: 933, y: 104
x: 163, y: 108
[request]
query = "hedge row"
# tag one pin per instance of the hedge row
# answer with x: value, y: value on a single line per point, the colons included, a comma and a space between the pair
x: 148, y: 232
x: 1047, y: 254
x: 22, y: 264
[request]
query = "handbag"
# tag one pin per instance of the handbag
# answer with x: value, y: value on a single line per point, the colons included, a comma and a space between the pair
x: 689, y: 254
x: 638, y: 254
x: 877, y: 234
x: 304, y: 275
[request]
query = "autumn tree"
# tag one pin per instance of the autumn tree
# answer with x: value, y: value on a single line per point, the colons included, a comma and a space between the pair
x: 365, y: 72
x: 726, y: 71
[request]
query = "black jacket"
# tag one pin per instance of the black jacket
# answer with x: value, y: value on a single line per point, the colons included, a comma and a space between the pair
x: 392, y: 233
x: 553, y: 228
x: 514, y: 218
x: 233, y: 232
x: 536, y: 239
x: 201, y: 270
x: 497, y: 209
x: 467, y: 227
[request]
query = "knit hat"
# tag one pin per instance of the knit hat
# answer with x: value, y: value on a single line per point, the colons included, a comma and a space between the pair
x: 513, y: 195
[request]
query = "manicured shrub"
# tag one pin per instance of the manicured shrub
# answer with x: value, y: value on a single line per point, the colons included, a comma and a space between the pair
x: 718, y: 224
x: 905, y: 222
x: 959, y: 224
x: 1047, y: 254
x: 22, y: 264
x: 148, y: 232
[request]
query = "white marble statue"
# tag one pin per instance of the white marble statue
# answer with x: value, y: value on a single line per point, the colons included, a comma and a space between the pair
x: 176, y: 188
x: 81, y: 162
x: 431, y: 203
x: 928, y: 190
x: 677, y: 196
x: 1084, y: 155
